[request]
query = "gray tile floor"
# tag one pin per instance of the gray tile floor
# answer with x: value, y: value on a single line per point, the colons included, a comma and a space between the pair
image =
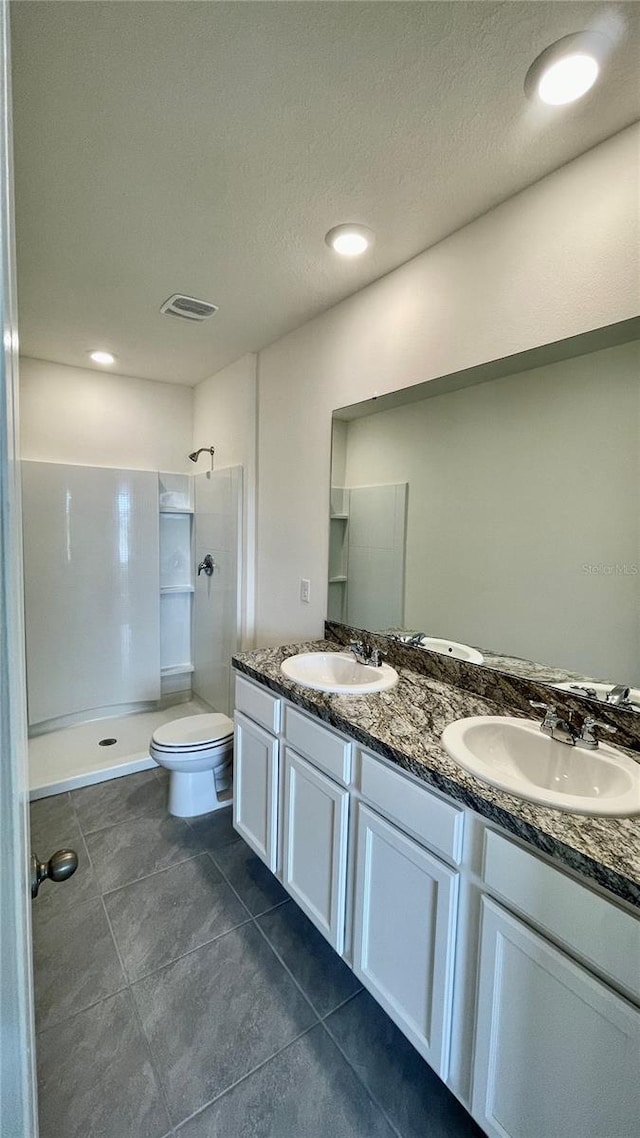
x: 179, y: 992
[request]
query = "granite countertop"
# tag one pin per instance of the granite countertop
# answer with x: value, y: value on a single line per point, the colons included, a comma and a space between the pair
x: 405, y: 725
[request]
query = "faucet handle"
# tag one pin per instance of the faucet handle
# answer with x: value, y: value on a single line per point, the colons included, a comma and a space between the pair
x: 587, y: 737
x: 550, y: 719
x: 548, y: 708
x: 590, y: 723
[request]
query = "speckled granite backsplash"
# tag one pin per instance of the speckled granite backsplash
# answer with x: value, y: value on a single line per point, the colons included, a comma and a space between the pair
x: 405, y: 725
x: 511, y: 693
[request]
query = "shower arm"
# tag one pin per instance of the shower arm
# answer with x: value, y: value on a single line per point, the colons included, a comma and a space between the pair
x: 194, y: 456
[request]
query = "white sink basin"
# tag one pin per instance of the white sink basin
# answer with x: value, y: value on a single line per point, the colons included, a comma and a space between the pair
x: 585, y: 687
x: 338, y: 672
x: 514, y: 755
x: 452, y: 648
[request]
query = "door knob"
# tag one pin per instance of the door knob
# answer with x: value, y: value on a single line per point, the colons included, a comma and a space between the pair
x: 59, y: 867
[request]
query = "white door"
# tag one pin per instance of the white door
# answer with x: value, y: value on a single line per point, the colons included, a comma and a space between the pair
x: 255, y: 788
x: 18, y: 1109
x: 404, y: 934
x: 557, y: 1052
x: 314, y: 861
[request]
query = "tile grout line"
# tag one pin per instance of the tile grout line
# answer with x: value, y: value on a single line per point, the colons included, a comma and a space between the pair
x: 243, y: 1078
x: 342, y: 1003
x: 287, y: 969
x: 183, y: 955
x: 256, y: 918
x: 138, y: 1020
x: 353, y: 1068
x: 153, y: 873
x: 110, y: 825
x: 81, y: 1011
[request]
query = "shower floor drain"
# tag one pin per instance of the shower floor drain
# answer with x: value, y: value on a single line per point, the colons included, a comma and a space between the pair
x: 107, y: 742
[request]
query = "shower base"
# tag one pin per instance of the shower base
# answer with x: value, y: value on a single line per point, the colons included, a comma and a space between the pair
x: 72, y: 757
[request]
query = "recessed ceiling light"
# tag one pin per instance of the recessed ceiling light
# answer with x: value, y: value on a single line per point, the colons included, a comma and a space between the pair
x: 567, y: 69
x: 349, y: 240
x: 102, y: 357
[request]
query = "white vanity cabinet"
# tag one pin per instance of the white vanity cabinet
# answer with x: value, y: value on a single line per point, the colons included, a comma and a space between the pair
x: 557, y: 1047
x: 557, y: 1052
x: 405, y: 908
x: 256, y: 765
x: 519, y: 984
x: 317, y: 764
x: 314, y: 855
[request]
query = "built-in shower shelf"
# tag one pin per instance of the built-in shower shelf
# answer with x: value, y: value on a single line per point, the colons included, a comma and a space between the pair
x: 176, y: 588
x: 176, y: 510
x: 177, y: 670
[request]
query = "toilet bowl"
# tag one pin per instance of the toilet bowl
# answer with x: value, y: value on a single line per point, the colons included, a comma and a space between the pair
x: 197, y: 750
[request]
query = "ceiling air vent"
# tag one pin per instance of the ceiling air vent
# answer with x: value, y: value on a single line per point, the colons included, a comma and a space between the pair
x: 188, y: 308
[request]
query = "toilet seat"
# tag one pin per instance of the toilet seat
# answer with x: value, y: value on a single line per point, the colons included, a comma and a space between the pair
x: 193, y: 733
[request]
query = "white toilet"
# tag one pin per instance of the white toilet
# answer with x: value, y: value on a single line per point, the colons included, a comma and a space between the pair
x: 198, y: 751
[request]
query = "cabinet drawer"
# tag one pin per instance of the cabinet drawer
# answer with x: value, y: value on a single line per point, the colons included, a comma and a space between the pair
x: 587, y: 924
x: 321, y: 745
x: 259, y: 704
x: 434, y: 822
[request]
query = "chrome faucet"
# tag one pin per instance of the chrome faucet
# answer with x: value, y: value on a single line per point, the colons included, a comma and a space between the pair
x: 618, y: 696
x: 366, y: 653
x: 554, y: 725
x: 414, y: 639
x: 564, y: 732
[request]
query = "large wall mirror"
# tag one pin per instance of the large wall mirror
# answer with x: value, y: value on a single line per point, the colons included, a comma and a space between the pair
x: 496, y: 512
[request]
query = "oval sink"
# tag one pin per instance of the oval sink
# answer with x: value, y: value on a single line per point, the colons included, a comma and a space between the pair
x: 514, y: 755
x: 447, y: 648
x: 338, y: 672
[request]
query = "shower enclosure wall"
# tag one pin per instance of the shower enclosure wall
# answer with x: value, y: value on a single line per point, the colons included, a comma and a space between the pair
x: 121, y: 632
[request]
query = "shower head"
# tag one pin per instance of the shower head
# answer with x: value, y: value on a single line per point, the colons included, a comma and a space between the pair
x: 194, y: 456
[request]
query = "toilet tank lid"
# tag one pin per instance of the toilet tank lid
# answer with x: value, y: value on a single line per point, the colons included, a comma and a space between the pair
x: 194, y: 729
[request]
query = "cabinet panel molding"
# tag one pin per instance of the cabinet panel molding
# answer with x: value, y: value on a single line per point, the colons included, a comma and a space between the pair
x: 404, y: 933
x: 255, y: 789
x: 314, y: 864
x: 556, y: 1050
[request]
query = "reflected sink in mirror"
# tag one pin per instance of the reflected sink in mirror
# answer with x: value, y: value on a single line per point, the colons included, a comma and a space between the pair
x: 602, y: 692
x: 338, y: 673
x: 435, y: 512
x: 514, y: 755
x: 445, y: 647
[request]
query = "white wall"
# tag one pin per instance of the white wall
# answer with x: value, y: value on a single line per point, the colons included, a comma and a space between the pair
x: 514, y: 487
x: 557, y: 260
x: 84, y: 417
x: 224, y: 416
x: 217, y: 598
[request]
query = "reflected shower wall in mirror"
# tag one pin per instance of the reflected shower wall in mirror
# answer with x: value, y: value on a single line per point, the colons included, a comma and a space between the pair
x: 521, y: 493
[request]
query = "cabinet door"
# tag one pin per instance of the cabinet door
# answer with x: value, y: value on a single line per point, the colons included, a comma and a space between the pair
x: 556, y: 1052
x: 404, y: 934
x: 255, y: 788
x: 316, y: 817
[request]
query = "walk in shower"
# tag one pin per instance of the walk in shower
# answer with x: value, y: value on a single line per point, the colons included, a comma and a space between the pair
x: 122, y: 633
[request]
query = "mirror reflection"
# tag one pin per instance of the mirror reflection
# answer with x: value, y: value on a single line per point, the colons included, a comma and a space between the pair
x: 496, y: 517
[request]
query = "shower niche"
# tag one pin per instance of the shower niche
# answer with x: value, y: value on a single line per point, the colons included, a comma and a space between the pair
x: 176, y: 507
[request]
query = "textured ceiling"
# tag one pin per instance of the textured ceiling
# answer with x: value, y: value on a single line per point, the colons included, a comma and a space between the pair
x: 208, y: 147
